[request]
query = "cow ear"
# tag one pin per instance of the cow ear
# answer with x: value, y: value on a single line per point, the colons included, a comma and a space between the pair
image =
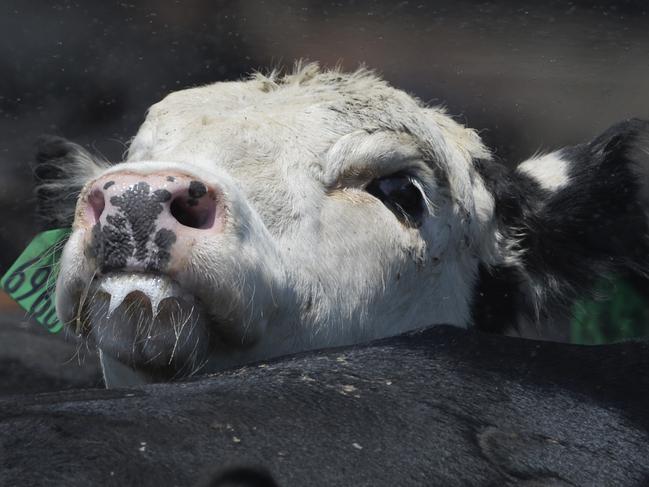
x: 61, y: 169
x: 565, y: 219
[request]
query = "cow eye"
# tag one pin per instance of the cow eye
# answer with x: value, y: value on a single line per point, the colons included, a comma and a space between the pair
x: 401, y: 196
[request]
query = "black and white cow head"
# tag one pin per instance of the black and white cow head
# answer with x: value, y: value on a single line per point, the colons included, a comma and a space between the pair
x: 284, y: 213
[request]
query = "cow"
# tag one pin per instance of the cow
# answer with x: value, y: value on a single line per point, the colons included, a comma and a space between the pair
x: 292, y: 212
x: 439, y: 406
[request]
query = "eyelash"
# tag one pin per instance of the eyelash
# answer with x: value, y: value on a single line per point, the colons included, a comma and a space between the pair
x: 399, y: 193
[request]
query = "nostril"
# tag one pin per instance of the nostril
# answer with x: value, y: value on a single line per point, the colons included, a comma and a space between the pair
x: 97, y: 204
x: 194, y: 213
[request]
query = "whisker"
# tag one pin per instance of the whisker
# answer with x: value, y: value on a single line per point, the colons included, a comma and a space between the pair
x: 179, y: 333
x: 82, y: 301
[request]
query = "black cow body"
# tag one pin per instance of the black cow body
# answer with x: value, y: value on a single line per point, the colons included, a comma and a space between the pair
x: 438, y: 407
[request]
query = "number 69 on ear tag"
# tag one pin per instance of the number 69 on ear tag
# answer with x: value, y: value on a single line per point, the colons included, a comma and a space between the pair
x: 31, y: 280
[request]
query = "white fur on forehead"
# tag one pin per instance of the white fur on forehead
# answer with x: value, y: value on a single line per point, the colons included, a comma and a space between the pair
x: 361, y: 93
x: 310, y: 74
x: 370, y: 95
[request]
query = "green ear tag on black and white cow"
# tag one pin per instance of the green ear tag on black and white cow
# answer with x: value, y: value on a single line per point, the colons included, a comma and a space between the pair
x: 32, y: 278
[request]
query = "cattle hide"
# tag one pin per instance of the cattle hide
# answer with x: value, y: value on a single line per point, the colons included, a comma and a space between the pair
x: 441, y: 406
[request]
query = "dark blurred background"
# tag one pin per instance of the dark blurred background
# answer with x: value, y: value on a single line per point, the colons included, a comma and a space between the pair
x: 529, y: 77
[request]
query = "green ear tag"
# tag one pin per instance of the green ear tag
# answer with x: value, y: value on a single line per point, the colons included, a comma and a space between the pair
x: 31, y: 279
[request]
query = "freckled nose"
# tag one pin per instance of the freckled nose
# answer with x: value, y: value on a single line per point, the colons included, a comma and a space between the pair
x: 189, y: 202
x: 136, y: 219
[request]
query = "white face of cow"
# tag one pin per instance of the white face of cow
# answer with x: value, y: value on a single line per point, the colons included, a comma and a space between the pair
x: 257, y: 218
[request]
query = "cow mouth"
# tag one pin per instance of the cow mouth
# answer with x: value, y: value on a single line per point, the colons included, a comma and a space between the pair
x: 154, y: 287
x: 148, y: 322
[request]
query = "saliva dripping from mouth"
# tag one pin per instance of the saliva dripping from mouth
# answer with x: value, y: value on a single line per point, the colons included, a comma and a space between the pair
x: 147, y: 322
x: 154, y: 287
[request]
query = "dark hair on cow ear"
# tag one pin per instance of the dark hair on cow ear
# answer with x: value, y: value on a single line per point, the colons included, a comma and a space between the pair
x: 564, y: 220
x: 60, y: 171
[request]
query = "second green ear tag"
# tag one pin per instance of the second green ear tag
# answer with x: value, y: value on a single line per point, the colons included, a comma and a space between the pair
x: 31, y: 280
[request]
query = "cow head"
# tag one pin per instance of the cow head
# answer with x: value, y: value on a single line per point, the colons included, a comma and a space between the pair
x: 257, y: 218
